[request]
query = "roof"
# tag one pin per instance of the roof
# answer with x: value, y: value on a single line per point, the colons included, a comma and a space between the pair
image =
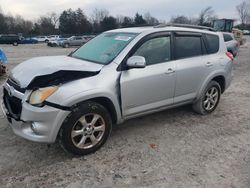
x: 152, y: 29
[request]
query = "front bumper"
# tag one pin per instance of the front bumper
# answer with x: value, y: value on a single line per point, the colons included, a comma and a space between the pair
x: 37, y: 124
x: 32, y: 123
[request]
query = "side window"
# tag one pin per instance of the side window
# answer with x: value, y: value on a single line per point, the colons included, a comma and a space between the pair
x: 156, y: 50
x: 188, y: 46
x: 213, y: 43
x: 227, y: 37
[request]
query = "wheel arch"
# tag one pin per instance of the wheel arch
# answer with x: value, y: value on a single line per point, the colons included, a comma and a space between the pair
x: 218, y: 77
x: 107, y: 103
x: 221, y: 81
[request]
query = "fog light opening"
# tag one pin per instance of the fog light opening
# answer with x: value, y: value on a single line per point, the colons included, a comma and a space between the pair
x: 33, y: 127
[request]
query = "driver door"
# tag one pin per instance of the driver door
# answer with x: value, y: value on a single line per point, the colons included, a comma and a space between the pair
x: 145, y: 89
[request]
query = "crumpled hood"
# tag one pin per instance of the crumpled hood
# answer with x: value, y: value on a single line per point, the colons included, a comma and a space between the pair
x: 27, y: 71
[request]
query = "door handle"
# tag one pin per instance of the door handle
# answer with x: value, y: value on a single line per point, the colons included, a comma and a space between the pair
x: 169, y: 71
x: 209, y: 64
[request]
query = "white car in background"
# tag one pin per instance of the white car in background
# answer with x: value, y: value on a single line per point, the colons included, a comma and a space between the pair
x: 53, y: 37
x: 231, y: 43
x: 56, y: 42
x: 41, y: 38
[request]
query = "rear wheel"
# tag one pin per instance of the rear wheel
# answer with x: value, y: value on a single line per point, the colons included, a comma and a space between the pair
x: 86, y: 129
x: 209, y: 99
x: 15, y: 44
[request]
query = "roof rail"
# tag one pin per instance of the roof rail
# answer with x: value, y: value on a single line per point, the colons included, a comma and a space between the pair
x: 186, y: 26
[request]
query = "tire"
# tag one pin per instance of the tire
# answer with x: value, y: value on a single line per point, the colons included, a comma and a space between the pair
x: 46, y: 41
x: 80, y: 138
x: 209, y: 99
x: 15, y: 43
x: 66, y: 45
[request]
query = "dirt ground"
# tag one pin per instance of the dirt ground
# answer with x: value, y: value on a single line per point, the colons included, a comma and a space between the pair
x: 173, y: 148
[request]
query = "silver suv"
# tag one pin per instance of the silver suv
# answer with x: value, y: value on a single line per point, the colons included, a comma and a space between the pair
x: 118, y: 75
x: 74, y: 41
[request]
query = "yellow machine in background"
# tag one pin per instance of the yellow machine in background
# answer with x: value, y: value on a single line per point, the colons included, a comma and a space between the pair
x: 226, y: 25
x: 238, y: 35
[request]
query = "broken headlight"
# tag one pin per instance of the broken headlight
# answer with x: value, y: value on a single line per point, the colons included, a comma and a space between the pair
x: 38, y: 96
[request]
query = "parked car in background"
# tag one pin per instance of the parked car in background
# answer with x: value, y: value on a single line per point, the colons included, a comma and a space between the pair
x: 89, y: 37
x: 118, y: 75
x: 41, y: 38
x: 246, y: 32
x: 28, y: 40
x: 56, y: 42
x: 232, y: 44
x: 52, y: 37
x: 10, y: 39
x: 74, y: 41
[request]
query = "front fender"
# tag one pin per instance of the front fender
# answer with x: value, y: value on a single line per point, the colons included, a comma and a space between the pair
x: 81, y: 97
x: 95, y: 93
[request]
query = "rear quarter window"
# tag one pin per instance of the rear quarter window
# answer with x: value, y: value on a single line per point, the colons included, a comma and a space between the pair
x: 227, y: 37
x: 212, y: 43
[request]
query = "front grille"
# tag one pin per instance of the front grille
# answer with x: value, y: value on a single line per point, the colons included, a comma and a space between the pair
x: 13, y: 105
x: 14, y: 84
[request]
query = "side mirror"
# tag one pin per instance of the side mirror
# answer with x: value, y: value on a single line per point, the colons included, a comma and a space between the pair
x: 136, y: 62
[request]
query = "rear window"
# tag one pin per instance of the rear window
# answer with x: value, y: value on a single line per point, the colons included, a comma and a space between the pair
x: 227, y: 37
x: 213, y: 43
x: 187, y: 46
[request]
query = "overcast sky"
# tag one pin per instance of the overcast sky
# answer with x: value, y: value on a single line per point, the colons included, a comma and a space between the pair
x: 161, y: 9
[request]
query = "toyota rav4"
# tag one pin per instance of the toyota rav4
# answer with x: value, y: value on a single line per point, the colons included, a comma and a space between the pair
x: 118, y: 75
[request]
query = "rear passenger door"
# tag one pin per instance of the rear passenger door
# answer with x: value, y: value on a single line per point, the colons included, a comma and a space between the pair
x: 191, y: 64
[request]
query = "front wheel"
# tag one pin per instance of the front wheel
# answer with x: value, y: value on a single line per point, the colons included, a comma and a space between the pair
x: 86, y: 129
x: 209, y: 99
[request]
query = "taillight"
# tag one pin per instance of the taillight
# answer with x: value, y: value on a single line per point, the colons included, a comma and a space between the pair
x: 230, y: 55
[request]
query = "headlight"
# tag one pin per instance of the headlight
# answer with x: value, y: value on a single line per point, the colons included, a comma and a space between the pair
x: 38, y: 96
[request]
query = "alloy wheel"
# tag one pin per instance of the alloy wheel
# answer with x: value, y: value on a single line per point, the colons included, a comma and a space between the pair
x: 211, y: 98
x: 88, y: 131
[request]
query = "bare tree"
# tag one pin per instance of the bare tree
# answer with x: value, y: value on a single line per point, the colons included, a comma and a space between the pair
x: 54, y: 19
x: 119, y: 20
x: 98, y: 15
x: 243, y: 10
x: 180, y: 20
x: 206, y: 16
x: 45, y: 25
x: 150, y: 19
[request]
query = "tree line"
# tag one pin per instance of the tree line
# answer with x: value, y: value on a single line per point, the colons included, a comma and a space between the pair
x: 72, y: 22
x: 77, y: 22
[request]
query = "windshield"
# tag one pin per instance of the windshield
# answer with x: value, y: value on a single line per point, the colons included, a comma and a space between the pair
x: 219, y: 25
x: 104, y: 48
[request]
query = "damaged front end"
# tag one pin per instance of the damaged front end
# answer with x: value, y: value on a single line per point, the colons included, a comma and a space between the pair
x: 13, y: 94
x: 27, y: 91
x: 57, y: 78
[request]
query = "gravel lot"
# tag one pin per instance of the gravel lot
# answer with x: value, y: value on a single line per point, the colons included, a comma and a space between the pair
x: 173, y: 148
